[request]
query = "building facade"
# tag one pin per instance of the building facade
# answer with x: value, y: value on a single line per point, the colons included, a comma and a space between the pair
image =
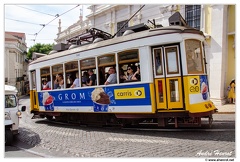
x: 15, y: 67
x: 217, y: 22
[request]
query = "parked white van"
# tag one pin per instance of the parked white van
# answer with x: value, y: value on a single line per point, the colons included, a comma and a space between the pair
x: 12, y: 113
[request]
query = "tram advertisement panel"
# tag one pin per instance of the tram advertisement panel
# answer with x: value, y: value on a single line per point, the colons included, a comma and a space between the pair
x: 126, y: 98
x: 198, y: 89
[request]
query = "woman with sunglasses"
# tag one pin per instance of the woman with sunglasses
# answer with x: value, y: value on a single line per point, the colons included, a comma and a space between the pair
x: 130, y: 74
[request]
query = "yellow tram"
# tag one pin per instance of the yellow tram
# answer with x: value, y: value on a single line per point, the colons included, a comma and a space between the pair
x: 171, y: 87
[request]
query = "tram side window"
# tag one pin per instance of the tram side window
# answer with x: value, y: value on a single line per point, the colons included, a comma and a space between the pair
x: 71, y: 70
x: 105, y: 64
x: 158, y: 61
x: 129, y: 69
x: 58, y: 76
x: 33, y: 79
x: 172, y: 60
x: 45, y: 78
x: 88, y: 65
x: 194, y: 56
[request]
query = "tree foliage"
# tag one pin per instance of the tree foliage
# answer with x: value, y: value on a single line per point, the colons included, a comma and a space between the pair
x: 39, y: 48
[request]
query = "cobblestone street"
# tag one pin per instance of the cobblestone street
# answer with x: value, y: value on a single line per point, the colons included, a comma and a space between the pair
x: 62, y: 140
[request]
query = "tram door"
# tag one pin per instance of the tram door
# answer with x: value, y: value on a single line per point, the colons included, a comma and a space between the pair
x: 167, y: 77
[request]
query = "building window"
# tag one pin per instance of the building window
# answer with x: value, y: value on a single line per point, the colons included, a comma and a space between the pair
x: 193, y: 15
x: 119, y: 26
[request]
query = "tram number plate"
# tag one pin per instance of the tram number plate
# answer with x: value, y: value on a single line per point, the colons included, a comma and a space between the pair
x: 194, y: 89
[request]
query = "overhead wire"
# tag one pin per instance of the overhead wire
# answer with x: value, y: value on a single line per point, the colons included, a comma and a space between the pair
x: 36, y: 11
x: 28, y: 23
x: 25, y: 21
x: 57, y: 15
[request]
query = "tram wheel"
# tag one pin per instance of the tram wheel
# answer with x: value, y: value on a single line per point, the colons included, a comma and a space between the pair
x: 210, y: 121
x: 49, y: 117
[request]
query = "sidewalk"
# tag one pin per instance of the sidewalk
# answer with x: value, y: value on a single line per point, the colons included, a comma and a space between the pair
x: 226, y: 109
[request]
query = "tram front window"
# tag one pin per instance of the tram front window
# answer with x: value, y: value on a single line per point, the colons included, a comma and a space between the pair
x: 194, y: 56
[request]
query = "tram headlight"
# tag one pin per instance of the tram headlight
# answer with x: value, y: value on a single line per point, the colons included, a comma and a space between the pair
x: 18, y: 113
x: 7, y: 116
x: 210, y: 105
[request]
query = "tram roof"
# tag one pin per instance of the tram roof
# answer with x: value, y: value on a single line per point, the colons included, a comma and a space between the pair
x: 174, y: 29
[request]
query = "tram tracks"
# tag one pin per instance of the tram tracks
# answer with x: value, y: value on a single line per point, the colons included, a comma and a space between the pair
x: 153, y: 127
x: 182, y: 130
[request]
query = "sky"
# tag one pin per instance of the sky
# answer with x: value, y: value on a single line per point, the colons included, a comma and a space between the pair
x: 27, y: 17
x: 30, y: 18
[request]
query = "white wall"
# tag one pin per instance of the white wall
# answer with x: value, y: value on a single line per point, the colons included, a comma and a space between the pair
x: 217, y: 59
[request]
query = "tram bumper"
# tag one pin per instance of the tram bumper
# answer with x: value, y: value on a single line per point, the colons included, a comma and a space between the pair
x: 203, y: 114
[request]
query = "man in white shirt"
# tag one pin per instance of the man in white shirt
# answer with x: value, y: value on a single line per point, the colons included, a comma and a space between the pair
x: 112, y: 79
x: 76, y: 82
x: 49, y: 84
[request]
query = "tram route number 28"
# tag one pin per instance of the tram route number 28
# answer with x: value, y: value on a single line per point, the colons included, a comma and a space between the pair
x: 194, y: 89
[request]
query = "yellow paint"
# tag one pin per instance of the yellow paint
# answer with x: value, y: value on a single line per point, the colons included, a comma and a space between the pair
x: 186, y: 90
x: 231, y: 23
x: 174, y: 94
x: 163, y: 104
x: 112, y: 29
x: 153, y: 101
x: 200, y: 107
x: 131, y: 22
x: 231, y: 60
x: 208, y: 20
x: 34, y: 103
x: 178, y: 8
x: 231, y: 18
x: 129, y: 93
x: 193, y: 85
x: 231, y: 45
